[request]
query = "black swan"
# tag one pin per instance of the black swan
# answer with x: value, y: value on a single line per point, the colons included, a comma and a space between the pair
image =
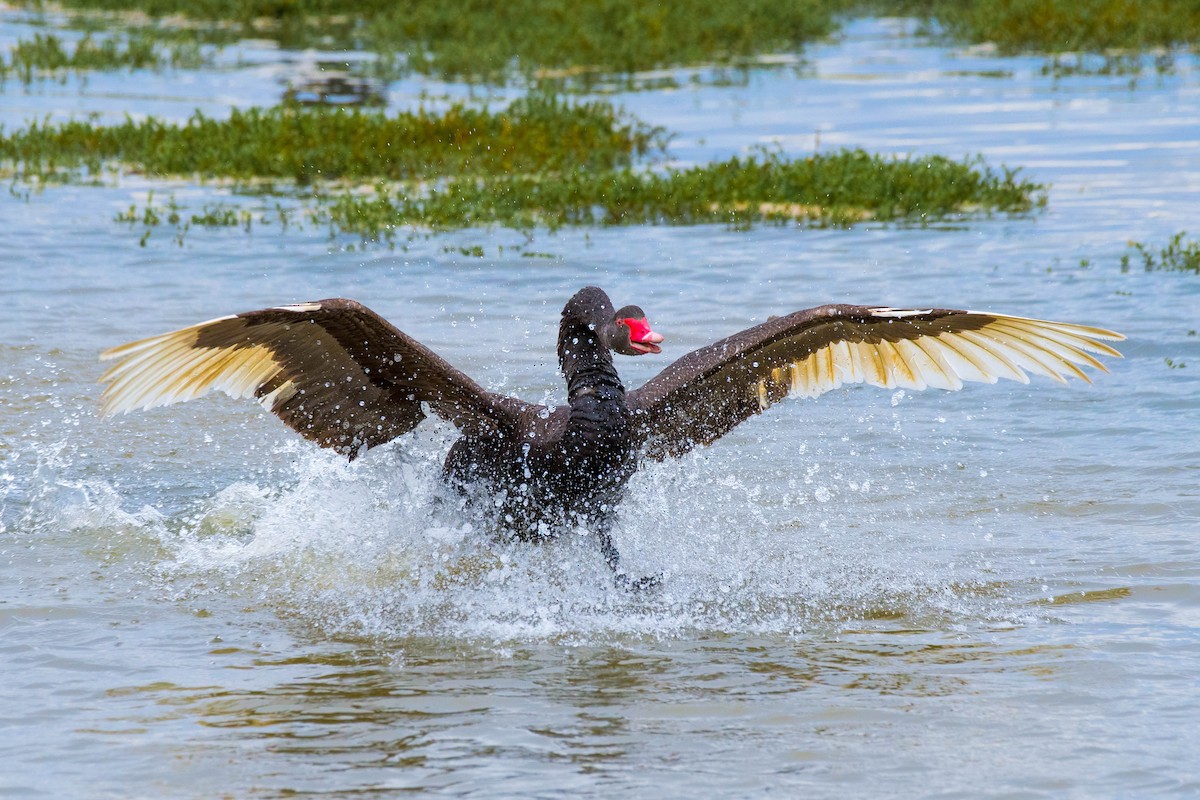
x: 339, y: 374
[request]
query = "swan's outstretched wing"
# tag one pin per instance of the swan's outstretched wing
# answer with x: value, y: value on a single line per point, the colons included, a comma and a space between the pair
x: 333, y: 370
x: 704, y: 394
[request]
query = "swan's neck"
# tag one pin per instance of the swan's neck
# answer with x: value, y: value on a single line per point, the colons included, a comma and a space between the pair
x: 587, y: 364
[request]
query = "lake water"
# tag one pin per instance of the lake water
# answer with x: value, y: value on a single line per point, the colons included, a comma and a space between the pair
x: 994, y: 592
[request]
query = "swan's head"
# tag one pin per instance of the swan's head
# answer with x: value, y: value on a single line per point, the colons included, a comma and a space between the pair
x: 626, y: 331
x: 632, y: 335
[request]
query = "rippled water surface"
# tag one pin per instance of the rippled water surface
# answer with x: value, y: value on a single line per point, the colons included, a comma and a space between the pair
x: 987, y: 593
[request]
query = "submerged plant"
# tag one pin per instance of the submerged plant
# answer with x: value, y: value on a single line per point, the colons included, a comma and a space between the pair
x: 1178, y: 256
x: 180, y: 220
x: 47, y: 54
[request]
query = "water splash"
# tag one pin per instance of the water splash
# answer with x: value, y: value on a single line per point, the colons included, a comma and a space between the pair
x: 381, y: 548
x: 755, y: 535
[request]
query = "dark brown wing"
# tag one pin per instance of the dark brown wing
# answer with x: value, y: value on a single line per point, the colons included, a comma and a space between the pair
x: 333, y: 370
x: 706, y: 393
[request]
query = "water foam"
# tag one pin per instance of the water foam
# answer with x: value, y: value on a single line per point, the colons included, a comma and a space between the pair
x: 381, y: 548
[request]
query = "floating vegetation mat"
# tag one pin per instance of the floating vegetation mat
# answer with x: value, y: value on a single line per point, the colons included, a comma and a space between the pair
x: 540, y: 162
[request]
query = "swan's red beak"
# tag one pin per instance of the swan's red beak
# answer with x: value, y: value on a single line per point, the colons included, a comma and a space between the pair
x: 641, y: 338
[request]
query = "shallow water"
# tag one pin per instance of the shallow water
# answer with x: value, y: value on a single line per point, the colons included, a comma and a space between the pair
x: 984, y: 593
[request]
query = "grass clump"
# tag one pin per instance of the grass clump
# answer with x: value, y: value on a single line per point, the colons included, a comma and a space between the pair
x: 48, y: 54
x: 571, y: 44
x: 539, y: 162
x: 1178, y: 256
x: 1061, y: 26
x: 535, y: 133
x: 838, y: 188
x: 490, y: 41
x: 482, y: 39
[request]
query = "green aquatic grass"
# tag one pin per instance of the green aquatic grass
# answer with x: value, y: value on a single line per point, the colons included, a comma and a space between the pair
x: 539, y: 162
x: 47, y: 54
x: 1179, y: 255
x: 837, y: 188
x: 553, y: 38
x: 180, y: 220
x: 1062, y: 26
x: 581, y: 45
x: 491, y: 41
x: 535, y: 133
x: 840, y: 188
